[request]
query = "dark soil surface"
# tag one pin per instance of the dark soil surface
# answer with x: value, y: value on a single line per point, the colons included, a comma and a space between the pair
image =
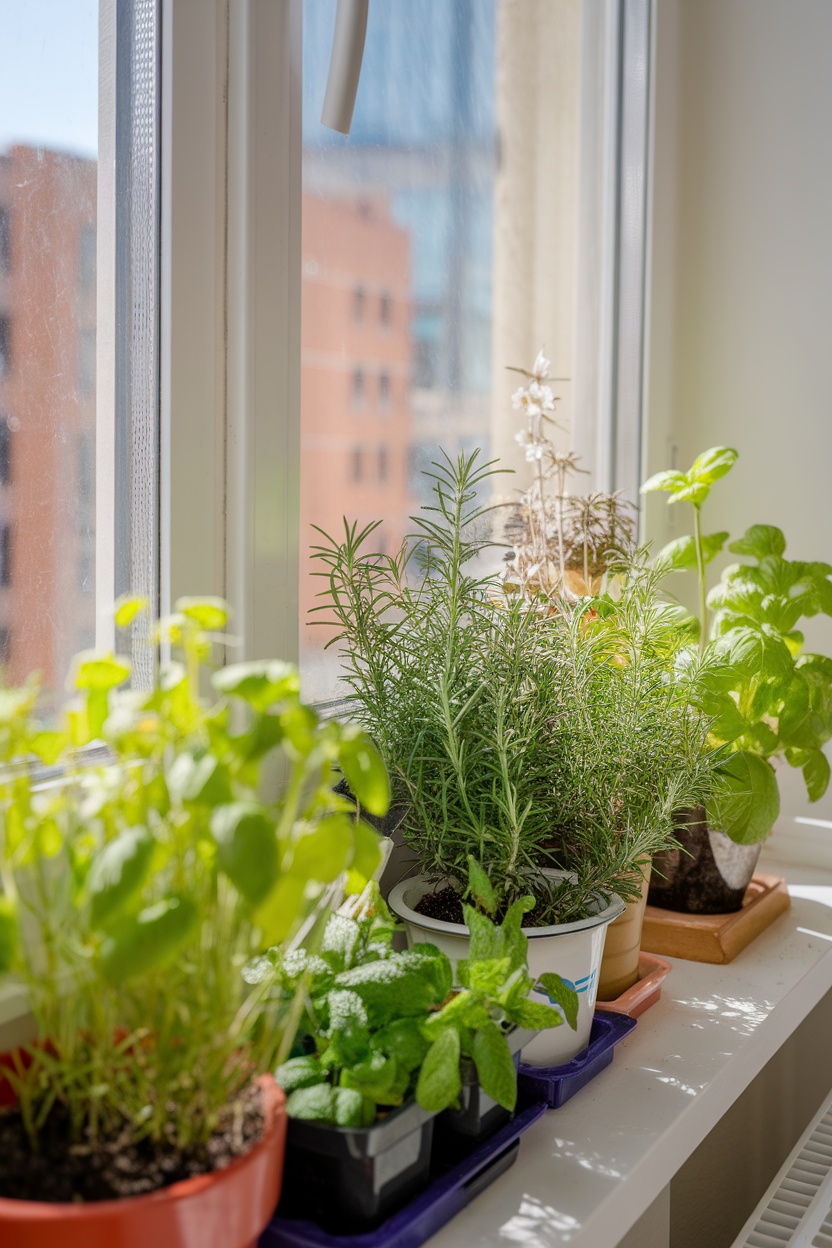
x: 446, y: 906
x: 119, y: 1167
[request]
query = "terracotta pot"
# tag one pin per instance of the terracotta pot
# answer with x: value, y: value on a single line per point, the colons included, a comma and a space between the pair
x: 619, y: 965
x: 226, y: 1209
x: 709, y: 875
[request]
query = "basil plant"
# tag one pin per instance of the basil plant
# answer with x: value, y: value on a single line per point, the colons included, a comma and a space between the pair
x: 768, y: 699
x: 136, y: 889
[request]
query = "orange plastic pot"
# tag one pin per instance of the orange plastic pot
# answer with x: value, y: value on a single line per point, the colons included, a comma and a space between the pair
x: 226, y: 1209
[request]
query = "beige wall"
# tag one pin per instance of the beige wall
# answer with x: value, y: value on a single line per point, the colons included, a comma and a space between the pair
x: 741, y: 288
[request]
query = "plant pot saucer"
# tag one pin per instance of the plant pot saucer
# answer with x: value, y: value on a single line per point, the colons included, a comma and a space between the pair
x: 716, y: 938
x: 557, y: 1084
x: 445, y: 1196
x: 652, y: 971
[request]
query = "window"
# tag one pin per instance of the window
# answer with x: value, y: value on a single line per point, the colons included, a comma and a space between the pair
x: 5, y: 346
x: 357, y: 464
x: 383, y: 463
x: 385, y: 309
x: 359, y: 391
x: 86, y: 363
x: 359, y: 301
x: 5, y: 647
x: 384, y: 392
x: 5, y: 240
x: 5, y: 555
x: 5, y: 451
x: 86, y: 257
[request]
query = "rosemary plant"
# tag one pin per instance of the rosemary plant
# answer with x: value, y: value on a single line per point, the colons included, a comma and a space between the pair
x: 523, y: 738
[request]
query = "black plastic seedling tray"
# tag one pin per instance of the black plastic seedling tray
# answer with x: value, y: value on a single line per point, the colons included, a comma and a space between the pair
x: 556, y: 1084
x: 446, y: 1194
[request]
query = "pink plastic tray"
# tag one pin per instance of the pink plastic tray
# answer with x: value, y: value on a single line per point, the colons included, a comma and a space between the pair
x: 645, y: 991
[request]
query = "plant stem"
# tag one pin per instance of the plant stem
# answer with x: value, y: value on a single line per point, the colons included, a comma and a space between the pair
x: 700, y: 566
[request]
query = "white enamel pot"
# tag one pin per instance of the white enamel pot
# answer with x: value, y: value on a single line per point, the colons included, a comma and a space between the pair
x: 571, y: 950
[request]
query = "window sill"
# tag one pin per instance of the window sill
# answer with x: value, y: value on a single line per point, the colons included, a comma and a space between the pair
x: 588, y: 1171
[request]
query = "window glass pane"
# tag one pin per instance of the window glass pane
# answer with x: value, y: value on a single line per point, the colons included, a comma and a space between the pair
x: 397, y: 271
x: 48, y: 148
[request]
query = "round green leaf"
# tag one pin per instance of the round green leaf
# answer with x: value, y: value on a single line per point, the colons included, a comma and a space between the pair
x: 151, y: 940
x: 210, y: 614
x: 261, y: 683
x: 325, y: 852
x: 100, y: 672
x: 283, y: 908
x: 713, y: 464
x: 117, y: 874
x: 127, y: 609
x: 364, y: 770
x: 760, y: 540
x: 816, y: 774
x: 747, y: 801
x: 246, y: 848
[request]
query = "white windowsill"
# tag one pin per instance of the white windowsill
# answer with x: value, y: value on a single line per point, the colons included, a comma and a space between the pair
x: 588, y: 1171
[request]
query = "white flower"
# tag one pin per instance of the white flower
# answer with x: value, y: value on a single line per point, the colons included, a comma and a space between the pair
x: 540, y: 368
x: 542, y: 396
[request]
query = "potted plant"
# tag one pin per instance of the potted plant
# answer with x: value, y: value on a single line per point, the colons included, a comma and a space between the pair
x: 769, y: 701
x: 388, y: 1046
x: 637, y: 743
x: 471, y: 698
x: 135, y: 890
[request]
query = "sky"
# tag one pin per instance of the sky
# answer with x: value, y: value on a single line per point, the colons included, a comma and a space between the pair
x: 49, y: 74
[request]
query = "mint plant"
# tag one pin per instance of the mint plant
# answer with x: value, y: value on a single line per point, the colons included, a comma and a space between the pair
x: 385, y: 1026
x: 134, y: 891
x: 768, y: 700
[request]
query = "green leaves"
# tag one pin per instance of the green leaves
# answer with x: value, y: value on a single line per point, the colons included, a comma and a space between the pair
x: 480, y: 887
x: 694, y: 486
x: 364, y: 770
x: 8, y: 935
x: 439, y: 1081
x: 747, y: 802
x: 118, y: 873
x: 247, y: 848
x: 562, y: 994
x: 680, y: 554
x: 760, y: 540
x: 323, y: 853
x: 816, y: 774
x: 260, y: 683
x: 151, y: 940
x: 495, y: 1066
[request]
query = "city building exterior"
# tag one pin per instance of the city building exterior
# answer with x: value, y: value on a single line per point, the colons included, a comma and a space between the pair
x: 47, y: 411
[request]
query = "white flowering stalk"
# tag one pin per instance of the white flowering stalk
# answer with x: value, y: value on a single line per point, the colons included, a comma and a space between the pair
x: 563, y: 540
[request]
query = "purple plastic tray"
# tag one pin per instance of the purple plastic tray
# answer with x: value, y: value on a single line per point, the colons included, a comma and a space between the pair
x: 555, y: 1084
x: 432, y: 1208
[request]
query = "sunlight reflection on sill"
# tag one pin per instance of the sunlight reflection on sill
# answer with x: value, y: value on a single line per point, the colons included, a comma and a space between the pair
x: 812, y: 892
x: 533, y: 1225
x: 808, y: 931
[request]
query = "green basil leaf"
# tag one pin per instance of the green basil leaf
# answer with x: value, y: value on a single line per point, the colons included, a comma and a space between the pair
x: 100, y: 672
x: 680, y: 554
x: 210, y: 614
x: 439, y: 1081
x: 127, y: 609
x: 364, y: 770
x: 366, y: 850
x: 283, y: 909
x: 713, y: 464
x: 669, y: 482
x: 324, y: 853
x: 202, y: 780
x: 747, y: 802
x: 315, y: 1104
x: 150, y: 940
x: 261, y: 683
x: 247, y: 850
x: 760, y: 540
x: 816, y: 774
x: 375, y: 1078
x: 118, y: 873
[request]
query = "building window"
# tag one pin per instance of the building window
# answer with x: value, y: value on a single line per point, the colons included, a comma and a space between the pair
x: 359, y: 303
x: 86, y: 257
x: 383, y: 463
x: 384, y: 392
x: 356, y: 464
x: 5, y: 452
x: 385, y: 310
x: 358, y: 394
x: 5, y: 241
x: 86, y: 363
x: 5, y: 555
x: 5, y: 646
x: 5, y: 347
